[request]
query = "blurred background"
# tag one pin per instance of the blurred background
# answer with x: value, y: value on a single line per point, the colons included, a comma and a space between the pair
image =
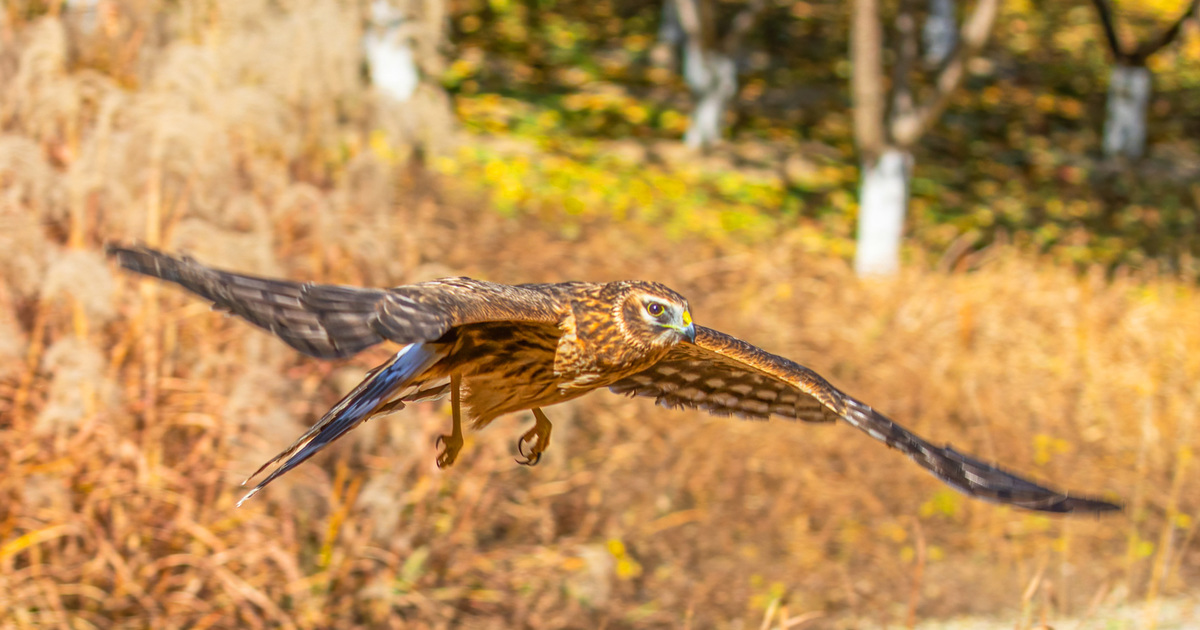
x: 979, y: 217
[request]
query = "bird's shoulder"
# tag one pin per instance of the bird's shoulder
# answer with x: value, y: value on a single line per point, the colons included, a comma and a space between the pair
x: 463, y: 285
x: 462, y: 300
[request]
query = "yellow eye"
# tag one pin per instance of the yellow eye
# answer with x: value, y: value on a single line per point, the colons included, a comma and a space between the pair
x: 655, y: 309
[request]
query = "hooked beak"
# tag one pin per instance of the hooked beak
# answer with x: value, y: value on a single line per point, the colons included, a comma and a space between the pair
x: 689, y: 328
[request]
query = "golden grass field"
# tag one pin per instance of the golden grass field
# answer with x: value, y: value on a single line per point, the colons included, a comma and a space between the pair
x: 129, y: 413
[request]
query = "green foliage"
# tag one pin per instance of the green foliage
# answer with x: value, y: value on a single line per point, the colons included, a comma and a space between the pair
x: 581, y: 181
x: 1015, y: 155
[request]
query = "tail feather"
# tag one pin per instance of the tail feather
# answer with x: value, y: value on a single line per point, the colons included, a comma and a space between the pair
x: 380, y: 385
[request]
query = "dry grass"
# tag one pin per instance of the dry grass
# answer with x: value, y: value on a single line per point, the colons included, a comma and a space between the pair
x: 128, y: 412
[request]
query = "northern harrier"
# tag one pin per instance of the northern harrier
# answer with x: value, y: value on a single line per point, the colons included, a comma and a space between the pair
x: 498, y: 349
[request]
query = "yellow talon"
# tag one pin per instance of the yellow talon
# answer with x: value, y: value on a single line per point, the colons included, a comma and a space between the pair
x: 453, y: 443
x: 538, y: 439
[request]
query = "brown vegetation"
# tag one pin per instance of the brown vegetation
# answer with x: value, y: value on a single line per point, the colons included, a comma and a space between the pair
x: 128, y: 412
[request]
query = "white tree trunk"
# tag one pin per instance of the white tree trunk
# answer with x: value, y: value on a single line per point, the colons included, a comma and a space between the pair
x: 389, y: 53
x: 85, y: 12
x: 670, y: 31
x: 712, y: 75
x: 883, y: 199
x: 940, y: 32
x: 1128, y: 96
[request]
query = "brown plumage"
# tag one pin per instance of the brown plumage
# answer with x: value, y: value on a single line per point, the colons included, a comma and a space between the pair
x: 497, y: 349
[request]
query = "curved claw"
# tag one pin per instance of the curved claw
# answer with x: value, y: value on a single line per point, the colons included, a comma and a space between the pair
x: 532, y: 458
x: 530, y: 462
x: 538, y: 439
x: 449, y: 453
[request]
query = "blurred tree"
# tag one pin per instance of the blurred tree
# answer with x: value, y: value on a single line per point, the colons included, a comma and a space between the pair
x: 404, y: 41
x: 1130, y: 83
x: 885, y: 136
x: 85, y: 11
x: 709, y: 61
x: 940, y: 32
x: 670, y: 37
x: 389, y: 55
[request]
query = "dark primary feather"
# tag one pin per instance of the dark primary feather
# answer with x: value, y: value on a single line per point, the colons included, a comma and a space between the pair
x: 320, y: 320
x: 724, y: 375
x: 331, y: 321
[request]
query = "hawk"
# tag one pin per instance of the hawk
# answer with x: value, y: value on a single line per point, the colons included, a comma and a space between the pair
x: 497, y: 349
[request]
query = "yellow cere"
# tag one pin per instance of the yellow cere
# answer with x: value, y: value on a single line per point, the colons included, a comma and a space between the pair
x: 687, y: 318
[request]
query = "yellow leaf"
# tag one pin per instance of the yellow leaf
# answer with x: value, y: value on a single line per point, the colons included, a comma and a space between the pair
x: 628, y: 568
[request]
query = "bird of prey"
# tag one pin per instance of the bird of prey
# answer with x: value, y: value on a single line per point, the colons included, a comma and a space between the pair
x: 497, y: 349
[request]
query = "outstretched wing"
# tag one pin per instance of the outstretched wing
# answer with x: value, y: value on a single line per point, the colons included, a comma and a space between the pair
x: 329, y: 321
x: 726, y: 376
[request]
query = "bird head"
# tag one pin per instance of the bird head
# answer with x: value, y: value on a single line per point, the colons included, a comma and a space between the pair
x: 656, y: 314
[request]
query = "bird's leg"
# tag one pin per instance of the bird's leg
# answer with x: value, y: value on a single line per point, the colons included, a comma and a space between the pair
x: 453, y: 443
x: 541, y: 433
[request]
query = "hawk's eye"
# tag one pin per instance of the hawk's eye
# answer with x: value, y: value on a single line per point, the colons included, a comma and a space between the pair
x: 655, y: 309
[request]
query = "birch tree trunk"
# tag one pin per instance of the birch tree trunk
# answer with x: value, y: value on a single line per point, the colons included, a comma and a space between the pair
x: 883, y: 201
x: 404, y: 43
x: 389, y: 54
x: 712, y: 76
x: 1130, y: 83
x: 85, y: 11
x: 885, y: 137
x: 710, y: 63
x: 940, y: 32
x: 1128, y: 97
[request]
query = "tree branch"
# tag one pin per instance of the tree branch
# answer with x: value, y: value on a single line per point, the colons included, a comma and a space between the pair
x: 1110, y: 30
x: 691, y: 20
x: 1139, y: 56
x: 973, y: 35
x: 1142, y: 53
x: 742, y: 23
x: 908, y: 48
